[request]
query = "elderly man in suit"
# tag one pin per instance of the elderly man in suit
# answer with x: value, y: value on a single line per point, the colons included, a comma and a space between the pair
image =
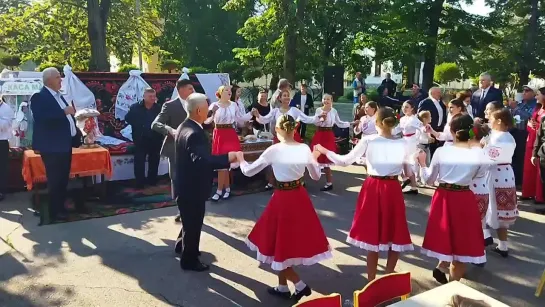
x: 54, y: 130
x: 438, y: 111
x: 484, y: 95
x: 195, y: 167
x: 172, y: 114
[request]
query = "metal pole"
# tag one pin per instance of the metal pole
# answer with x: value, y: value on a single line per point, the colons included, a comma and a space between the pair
x: 139, y: 36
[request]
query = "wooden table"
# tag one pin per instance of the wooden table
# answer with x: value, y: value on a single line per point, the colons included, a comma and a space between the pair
x: 85, y: 163
x: 441, y: 296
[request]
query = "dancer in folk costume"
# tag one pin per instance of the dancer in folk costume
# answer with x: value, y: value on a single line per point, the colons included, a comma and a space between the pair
x: 325, y: 136
x: 502, y: 209
x: 454, y: 233
x: 425, y: 138
x: 455, y: 107
x: 531, y: 178
x: 365, y: 125
x: 380, y: 223
x: 289, y: 214
x: 276, y: 113
x: 225, y: 139
x: 411, y: 128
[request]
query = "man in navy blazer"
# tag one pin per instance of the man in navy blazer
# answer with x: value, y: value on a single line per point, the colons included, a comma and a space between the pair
x: 484, y: 95
x: 303, y: 101
x: 54, y: 128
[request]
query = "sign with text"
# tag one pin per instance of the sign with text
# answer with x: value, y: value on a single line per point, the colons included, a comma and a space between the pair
x: 20, y: 87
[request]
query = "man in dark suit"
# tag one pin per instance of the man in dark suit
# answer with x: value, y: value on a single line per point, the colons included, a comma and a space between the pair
x: 303, y: 101
x: 390, y: 85
x: 147, y: 143
x: 485, y: 94
x: 172, y: 114
x: 438, y: 111
x: 54, y: 128
x: 195, y: 166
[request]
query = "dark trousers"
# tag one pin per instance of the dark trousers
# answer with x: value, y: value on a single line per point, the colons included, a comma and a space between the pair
x: 4, y: 165
x: 192, y: 220
x: 303, y: 130
x: 517, y: 162
x: 57, y: 171
x: 150, y: 150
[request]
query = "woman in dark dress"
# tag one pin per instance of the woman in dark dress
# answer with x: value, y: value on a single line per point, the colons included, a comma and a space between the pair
x: 262, y: 106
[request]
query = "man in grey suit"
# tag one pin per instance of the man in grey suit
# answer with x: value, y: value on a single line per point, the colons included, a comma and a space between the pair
x: 173, y: 113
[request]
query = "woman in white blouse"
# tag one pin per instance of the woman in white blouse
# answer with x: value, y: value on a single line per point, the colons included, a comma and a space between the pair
x: 380, y: 222
x: 276, y: 113
x: 455, y: 107
x: 225, y: 139
x: 366, y: 124
x: 288, y: 233
x: 502, y: 209
x: 454, y: 233
x: 325, y: 136
x: 411, y: 128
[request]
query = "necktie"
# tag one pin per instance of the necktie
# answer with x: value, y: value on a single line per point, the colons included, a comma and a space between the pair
x: 483, y: 94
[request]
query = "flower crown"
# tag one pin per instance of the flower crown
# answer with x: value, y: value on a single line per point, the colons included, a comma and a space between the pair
x: 473, y: 132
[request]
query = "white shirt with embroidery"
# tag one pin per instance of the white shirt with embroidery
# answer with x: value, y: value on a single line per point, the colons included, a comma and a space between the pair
x: 297, y: 114
x: 227, y: 115
x: 331, y: 119
x: 454, y: 165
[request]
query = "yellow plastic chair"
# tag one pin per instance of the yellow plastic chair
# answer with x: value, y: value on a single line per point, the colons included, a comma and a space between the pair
x: 384, y: 289
x: 540, y: 285
x: 332, y: 300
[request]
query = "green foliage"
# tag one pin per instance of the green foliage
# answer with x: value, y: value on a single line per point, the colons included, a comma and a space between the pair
x: 199, y: 70
x: 127, y: 67
x: 10, y: 61
x: 170, y: 65
x: 235, y: 70
x: 6, y: 5
x: 252, y: 73
x: 45, y: 65
x: 446, y: 72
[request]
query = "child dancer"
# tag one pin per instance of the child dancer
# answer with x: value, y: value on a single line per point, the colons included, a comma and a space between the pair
x: 380, y: 223
x: 225, y: 139
x: 289, y: 212
x: 454, y: 233
x: 325, y: 136
x: 502, y: 211
x: 366, y: 125
x: 425, y: 138
x: 455, y: 107
x: 411, y: 128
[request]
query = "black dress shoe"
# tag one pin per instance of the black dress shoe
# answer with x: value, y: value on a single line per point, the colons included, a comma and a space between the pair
x: 480, y: 265
x: 297, y: 295
x: 405, y: 183
x: 498, y: 251
x: 440, y: 276
x: 275, y: 292
x: 327, y: 187
x: 411, y: 192
x: 488, y: 241
x: 197, y: 267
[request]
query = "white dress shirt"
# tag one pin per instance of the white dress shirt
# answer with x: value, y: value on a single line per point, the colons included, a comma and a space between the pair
x: 6, y: 120
x: 439, y: 110
x: 63, y: 105
x: 288, y: 162
x: 303, y: 101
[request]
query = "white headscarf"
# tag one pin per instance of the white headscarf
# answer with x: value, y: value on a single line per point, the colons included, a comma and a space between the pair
x: 20, y: 119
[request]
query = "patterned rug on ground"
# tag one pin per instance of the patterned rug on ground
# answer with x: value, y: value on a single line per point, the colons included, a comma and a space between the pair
x: 123, y: 198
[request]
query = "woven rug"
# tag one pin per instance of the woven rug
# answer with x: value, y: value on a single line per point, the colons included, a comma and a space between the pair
x: 123, y: 198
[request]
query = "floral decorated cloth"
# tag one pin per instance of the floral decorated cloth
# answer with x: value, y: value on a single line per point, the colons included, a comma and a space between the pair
x: 131, y: 92
x: 85, y: 162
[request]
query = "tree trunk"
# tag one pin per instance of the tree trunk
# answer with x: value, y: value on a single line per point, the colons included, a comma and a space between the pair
x: 434, y: 15
x: 528, y: 46
x: 290, y: 41
x: 97, y: 20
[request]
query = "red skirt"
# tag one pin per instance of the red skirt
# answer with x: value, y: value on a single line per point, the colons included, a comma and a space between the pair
x: 380, y: 223
x: 289, y: 233
x: 531, y: 176
x: 454, y: 231
x: 224, y: 141
x: 326, y: 138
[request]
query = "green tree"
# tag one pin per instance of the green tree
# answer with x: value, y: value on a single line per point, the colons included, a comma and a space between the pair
x: 446, y: 72
x: 6, y: 5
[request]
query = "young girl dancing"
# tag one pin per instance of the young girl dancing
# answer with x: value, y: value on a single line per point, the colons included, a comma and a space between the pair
x: 455, y: 107
x: 366, y: 124
x: 225, y: 139
x: 325, y: 136
x: 502, y: 211
x: 289, y: 212
x: 380, y: 223
x: 454, y: 233
x: 411, y: 128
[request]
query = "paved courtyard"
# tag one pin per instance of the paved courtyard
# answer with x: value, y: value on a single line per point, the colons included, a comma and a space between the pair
x: 128, y: 260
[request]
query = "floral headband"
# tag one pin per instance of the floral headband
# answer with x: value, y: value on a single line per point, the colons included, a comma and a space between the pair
x: 473, y: 132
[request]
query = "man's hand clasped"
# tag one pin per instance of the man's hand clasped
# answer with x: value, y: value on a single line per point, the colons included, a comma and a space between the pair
x: 69, y: 110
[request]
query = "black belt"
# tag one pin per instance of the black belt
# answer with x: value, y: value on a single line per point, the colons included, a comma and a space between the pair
x: 325, y: 128
x: 290, y: 185
x: 453, y: 187
x: 224, y: 126
x: 384, y: 177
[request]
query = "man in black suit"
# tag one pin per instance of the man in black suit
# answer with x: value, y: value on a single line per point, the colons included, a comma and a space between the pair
x: 147, y: 143
x: 303, y: 101
x: 438, y: 111
x: 484, y: 95
x: 195, y: 166
x: 390, y: 85
x: 54, y: 129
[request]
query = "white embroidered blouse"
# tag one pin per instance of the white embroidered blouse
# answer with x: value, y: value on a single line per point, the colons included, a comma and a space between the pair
x: 227, y: 115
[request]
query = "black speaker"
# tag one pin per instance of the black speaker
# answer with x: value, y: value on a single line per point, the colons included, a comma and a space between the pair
x: 334, y: 81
